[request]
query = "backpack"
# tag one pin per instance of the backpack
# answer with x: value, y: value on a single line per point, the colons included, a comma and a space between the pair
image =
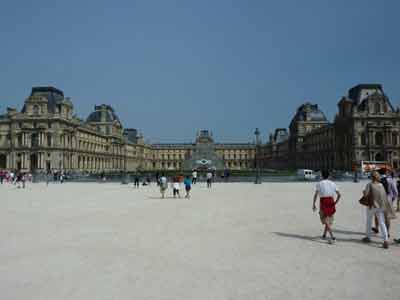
x: 385, y: 184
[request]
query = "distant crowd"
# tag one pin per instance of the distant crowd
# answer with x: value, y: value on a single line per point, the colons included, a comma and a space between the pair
x: 15, y: 177
x: 19, y: 179
x: 176, y: 182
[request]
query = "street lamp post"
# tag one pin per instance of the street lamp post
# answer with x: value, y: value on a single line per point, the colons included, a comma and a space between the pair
x: 125, y: 179
x: 257, y: 157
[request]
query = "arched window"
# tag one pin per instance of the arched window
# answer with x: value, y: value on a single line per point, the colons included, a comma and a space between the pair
x: 378, y: 138
x: 377, y: 108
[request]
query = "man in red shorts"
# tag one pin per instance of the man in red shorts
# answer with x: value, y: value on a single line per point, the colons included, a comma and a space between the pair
x: 327, y: 191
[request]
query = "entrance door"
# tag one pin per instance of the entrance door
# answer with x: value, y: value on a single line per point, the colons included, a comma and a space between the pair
x: 378, y: 157
x: 34, y: 162
x: 3, y: 161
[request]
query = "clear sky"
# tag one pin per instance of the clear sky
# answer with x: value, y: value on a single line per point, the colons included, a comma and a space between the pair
x: 172, y: 67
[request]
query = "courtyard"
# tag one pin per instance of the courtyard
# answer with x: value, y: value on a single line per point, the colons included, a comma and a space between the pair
x: 234, y: 241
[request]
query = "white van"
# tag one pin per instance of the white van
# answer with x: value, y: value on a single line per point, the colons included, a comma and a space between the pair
x: 306, y: 174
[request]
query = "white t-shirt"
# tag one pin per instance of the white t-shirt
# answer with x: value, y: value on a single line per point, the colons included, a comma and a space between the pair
x: 326, y: 188
x: 176, y: 186
x: 209, y: 175
x: 163, y: 180
x: 194, y: 174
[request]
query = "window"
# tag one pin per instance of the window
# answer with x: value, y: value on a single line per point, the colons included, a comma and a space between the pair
x: 363, y: 139
x: 48, y: 140
x: 394, y: 138
x: 36, y: 109
x: 34, y: 140
x: 378, y: 138
x: 19, y: 140
x: 377, y: 108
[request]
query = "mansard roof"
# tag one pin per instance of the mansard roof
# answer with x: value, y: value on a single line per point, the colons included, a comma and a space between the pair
x: 281, y: 135
x: 102, y: 113
x: 309, y: 112
x: 359, y: 92
x: 363, y: 105
x: 53, y: 95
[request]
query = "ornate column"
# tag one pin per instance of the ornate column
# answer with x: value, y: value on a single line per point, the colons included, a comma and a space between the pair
x: 23, y: 165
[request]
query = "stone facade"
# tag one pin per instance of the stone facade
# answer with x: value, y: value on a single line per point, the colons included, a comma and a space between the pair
x: 366, y: 128
x: 45, y: 135
x: 203, y: 153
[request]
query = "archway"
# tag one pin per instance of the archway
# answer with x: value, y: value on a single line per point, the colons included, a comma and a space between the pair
x: 3, y: 161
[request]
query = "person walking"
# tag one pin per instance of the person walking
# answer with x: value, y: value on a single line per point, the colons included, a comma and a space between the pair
x: 158, y: 179
x: 188, y: 186
x: 176, y: 186
x: 398, y: 197
x: 378, y: 205
x: 327, y: 191
x: 24, y: 179
x: 226, y: 175
x: 136, y: 181
x: 18, y: 179
x: 194, y: 177
x: 390, y: 187
x: 163, y: 185
x: 393, y: 192
x: 48, y: 177
x: 209, y: 177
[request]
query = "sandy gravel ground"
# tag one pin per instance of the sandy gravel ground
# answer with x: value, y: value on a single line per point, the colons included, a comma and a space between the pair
x: 235, y: 241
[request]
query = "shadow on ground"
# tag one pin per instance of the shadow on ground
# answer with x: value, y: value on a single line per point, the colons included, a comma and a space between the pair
x: 166, y: 197
x: 317, y: 239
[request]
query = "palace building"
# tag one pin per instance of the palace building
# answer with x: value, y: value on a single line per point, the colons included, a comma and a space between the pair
x: 366, y: 128
x: 46, y: 135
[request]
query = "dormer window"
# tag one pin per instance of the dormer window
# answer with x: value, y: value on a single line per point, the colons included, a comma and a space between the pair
x: 377, y: 108
x: 36, y: 110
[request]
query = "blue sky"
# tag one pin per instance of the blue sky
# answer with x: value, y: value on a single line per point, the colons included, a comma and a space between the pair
x: 172, y: 67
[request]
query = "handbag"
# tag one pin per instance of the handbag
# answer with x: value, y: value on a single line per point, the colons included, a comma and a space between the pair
x: 367, y: 200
